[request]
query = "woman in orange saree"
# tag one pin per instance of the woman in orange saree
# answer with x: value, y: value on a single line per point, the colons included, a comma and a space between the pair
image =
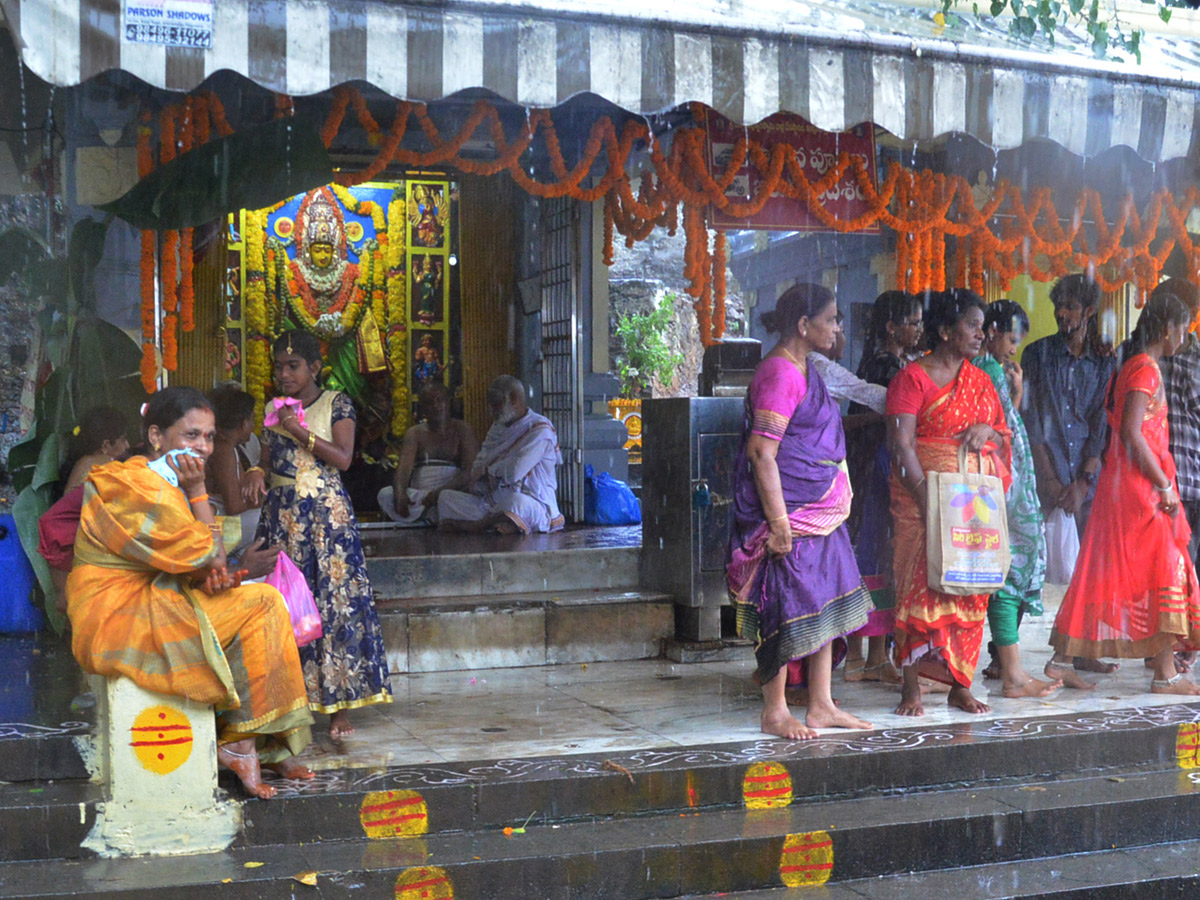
x: 1134, y: 591
x: 935, y: 404
x: 149, y: 598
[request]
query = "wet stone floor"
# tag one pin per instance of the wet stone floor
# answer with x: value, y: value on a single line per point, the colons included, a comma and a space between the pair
x: 625, y: 706
x: 594, y: 708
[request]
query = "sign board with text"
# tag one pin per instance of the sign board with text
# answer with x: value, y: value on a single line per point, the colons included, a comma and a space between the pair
x: 170, y: 23
x: 816, y: 151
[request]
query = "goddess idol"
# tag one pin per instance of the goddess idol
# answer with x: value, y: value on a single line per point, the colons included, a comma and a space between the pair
x: 322, y: 281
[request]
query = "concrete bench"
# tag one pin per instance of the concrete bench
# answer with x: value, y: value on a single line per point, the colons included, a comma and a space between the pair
x: 156, y: 756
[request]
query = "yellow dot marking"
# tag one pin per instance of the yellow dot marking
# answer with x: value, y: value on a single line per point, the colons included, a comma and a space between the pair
x: 807, y: 859
x: 1187, y: 745
x: 389, y: 814
x: 161, y: 738
x: 424, y: 883
x: 767, y: 785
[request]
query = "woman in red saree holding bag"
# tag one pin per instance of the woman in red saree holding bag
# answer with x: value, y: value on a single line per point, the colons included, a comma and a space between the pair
x: 1134, y: 591
x: 933, y: 405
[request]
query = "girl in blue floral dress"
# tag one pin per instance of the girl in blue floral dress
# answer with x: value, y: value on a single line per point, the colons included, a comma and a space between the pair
x: 308, y: 512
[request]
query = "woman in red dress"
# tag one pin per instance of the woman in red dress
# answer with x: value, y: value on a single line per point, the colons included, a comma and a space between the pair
x: 935, y: 404
x: 1134, y: 591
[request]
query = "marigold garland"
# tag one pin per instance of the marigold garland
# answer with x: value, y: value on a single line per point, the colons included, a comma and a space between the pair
x: 396, y: 329
x: 258, y: 340
x: 149, y: 363
x: 924, y: 209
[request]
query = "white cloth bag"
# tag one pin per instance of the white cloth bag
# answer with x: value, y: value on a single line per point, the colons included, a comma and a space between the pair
x: 1062, y: 547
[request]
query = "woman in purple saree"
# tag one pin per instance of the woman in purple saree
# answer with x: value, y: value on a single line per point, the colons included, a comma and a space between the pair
x: 791, y: 571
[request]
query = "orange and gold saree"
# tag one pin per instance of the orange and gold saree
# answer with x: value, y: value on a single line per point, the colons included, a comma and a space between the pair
x: 135, y: 613
x: 941, y: 632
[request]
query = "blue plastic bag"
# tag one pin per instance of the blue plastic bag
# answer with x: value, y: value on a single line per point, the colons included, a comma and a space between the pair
x: 17, y: 614
x: 607, y: 501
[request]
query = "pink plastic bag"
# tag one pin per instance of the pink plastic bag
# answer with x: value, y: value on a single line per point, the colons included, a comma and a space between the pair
x: 277, y: 406
x: 289, y: 581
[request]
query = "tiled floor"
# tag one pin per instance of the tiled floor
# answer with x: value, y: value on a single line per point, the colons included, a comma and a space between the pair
x: 555, y: 710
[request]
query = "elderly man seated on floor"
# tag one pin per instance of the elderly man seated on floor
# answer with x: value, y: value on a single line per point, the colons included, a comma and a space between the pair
x: 435, y: 455
x: 510, y: 489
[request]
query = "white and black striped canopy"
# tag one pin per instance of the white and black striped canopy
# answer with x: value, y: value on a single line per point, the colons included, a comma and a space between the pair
x: 834, y: 62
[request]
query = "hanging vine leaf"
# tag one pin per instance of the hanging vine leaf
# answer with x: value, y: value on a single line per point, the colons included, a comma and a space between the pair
x: 251, y: 169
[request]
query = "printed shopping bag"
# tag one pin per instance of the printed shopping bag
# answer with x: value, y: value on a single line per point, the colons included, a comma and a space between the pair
x: 966, y: 523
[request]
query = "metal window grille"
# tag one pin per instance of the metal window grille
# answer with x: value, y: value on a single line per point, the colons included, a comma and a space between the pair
x: 562, y: 387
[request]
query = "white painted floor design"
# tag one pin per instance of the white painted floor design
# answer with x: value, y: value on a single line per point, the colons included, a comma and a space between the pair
x: 625, y: 706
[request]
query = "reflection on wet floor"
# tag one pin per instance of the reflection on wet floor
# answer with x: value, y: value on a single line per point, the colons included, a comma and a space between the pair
x: 565, y: 709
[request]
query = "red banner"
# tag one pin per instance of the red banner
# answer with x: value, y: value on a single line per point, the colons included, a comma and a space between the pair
x: 817, y: 152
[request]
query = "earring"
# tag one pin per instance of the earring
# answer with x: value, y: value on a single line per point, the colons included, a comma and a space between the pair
x: 154, y: 447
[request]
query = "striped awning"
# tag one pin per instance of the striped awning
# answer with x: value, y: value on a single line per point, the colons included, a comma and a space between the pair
x: 834, y: 62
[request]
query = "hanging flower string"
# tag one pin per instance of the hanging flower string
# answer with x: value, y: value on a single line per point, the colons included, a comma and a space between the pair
x: 934, y: 216
x: 145, y: 164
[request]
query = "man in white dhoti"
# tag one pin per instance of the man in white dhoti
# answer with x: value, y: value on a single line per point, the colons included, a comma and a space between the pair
x: 435, y: 455
x: 511, y: 486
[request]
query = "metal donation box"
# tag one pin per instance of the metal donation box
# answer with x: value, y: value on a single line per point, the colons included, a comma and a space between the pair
x: 689, y: 445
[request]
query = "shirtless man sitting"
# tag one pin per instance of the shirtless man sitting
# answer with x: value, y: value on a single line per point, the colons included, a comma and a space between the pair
x: 435, y: 455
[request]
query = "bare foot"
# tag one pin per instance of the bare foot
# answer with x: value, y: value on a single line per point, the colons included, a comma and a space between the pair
x: 785, y: 725
x: 1178, y: 685
x: 1068, y: 676
x: 339, y: 725
x: 854, y: 670
x: 1087, y: 664
x: 291, y: 768
x: 1031, y: 687
x: 992, y: 671
x: 933, y: 686
x: 885, y: 673
x: 962, y: 698
x: 241, y: 759
x: 823, y: 716
x: 910, y: 702
x: 797, y: 695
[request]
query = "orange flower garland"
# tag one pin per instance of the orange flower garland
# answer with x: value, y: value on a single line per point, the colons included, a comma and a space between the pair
x: 149, y: 364
x: 924, y: 209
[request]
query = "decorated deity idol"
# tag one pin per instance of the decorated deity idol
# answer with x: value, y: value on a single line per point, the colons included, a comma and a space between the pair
x: 321, y: 278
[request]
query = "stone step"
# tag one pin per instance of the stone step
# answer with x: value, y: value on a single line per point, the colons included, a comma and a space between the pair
x: 524, y: 628
x: 491, y: 574
x: 669, y: 855
x: 1136, y: 873
x: 488, y: 795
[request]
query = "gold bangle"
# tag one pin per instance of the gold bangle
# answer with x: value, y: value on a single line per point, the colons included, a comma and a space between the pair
x: 777, y: 518
x: 199, y: 498
x: 312, y: 441
x: 258, y: 469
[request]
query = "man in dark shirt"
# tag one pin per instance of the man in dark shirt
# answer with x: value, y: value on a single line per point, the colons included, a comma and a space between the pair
x: 1066, y: 375
x: 1181, y: 381
x: 1066, y: 379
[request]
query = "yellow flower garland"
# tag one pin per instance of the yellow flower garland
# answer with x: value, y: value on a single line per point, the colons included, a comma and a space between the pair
x: 257, y: 343
x: 397, y: 309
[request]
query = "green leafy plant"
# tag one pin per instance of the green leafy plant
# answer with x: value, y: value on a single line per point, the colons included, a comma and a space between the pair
x: 644, y: 352
x: 95, y: 364
x: 1100, y: 18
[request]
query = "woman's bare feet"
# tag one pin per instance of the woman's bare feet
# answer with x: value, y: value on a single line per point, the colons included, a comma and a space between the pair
x: 854, y: 670
x: 1066, y: 673
x: 1031, y: 687
x: 962, y: 698
x: 241, y: 758
x: 339, y: 725
x: 1087, y: 664
x: 785, y: 725
x: 292, y: 768
x: 826, y: 716
x: 884, y: 672
x: 1179, y: 685
x: 910, y: 694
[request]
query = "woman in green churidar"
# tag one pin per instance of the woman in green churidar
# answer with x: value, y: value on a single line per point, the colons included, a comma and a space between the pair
x: 1005, y: 325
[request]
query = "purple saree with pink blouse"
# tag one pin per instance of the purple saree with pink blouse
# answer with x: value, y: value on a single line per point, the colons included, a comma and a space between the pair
x: 792, y: 606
